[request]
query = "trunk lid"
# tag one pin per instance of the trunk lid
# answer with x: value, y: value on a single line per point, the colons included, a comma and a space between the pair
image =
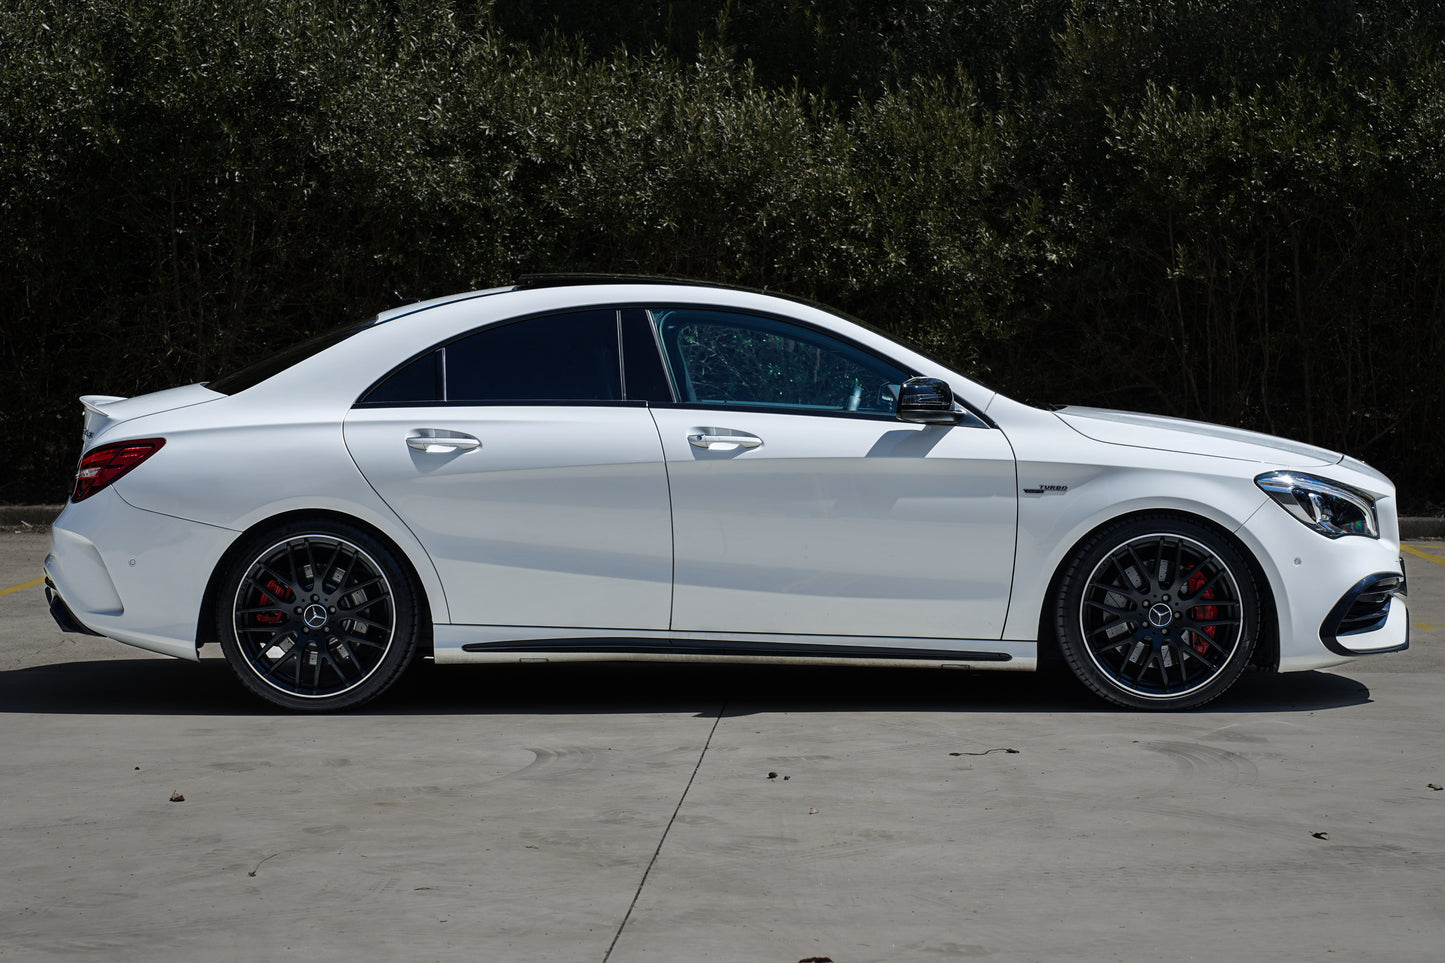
x: 103, y: 412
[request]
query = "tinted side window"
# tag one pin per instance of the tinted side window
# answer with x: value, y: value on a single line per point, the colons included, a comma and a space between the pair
x: 562, y: 357
x: 719, y: 357
x: 417, y: 382
x: 646, y: 378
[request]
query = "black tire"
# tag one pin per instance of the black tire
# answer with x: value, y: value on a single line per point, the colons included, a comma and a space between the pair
x: 1157, y: 612
x: 317, y: 617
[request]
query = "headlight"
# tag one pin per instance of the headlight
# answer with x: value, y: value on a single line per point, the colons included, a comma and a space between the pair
x: 1329, y: 508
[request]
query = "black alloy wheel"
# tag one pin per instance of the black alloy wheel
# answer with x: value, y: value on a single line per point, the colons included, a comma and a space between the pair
x: 318, y: 618
x: 1157, y: 613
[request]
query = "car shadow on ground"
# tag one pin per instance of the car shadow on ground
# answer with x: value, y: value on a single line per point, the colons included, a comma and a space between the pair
x: 173, y: 687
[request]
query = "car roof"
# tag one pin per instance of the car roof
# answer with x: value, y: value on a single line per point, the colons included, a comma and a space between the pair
x: 534, y: 282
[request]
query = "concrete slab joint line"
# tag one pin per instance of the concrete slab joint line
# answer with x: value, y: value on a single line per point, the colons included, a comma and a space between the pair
x: 666, y: 829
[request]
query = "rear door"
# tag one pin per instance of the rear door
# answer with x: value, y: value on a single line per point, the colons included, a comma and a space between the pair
x: 535, y: 484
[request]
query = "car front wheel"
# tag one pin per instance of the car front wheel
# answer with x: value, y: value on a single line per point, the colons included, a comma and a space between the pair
x: 1157, y: 612
x: 317, y: 617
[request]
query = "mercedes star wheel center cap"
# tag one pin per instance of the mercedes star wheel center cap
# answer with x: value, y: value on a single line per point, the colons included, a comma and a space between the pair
x: 315, y: 616
x: 1159, y: 616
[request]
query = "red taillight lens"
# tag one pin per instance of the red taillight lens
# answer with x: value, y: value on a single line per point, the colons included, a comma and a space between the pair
x: 105, y: 464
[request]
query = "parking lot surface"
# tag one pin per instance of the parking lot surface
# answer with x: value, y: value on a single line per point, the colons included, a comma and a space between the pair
x: 703, y: 812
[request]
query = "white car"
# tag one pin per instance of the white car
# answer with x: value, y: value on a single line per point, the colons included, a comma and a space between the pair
x: 621, y: 469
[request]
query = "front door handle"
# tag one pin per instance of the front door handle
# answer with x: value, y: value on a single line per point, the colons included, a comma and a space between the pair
x: 442, y: 443
x: 722, y: 439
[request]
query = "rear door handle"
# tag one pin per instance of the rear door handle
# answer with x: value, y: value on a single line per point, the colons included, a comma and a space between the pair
x: 441, y: 443
x: 722, y: 439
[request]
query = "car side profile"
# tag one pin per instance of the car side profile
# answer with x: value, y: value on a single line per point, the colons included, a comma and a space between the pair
x: 575, y: 468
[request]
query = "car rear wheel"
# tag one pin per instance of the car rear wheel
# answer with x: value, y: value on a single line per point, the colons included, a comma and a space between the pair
x: 317, y: 617
x: 1157, y: 612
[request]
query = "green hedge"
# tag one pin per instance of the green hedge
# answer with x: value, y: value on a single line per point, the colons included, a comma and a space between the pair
x: 1211, y: 210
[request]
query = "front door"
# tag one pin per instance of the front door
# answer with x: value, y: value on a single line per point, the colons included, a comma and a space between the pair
x: 801, y: 506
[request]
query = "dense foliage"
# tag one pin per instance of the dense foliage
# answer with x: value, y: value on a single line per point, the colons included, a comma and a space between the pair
x: 1224, y: 210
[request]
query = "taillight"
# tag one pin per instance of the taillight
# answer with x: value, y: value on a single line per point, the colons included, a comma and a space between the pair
x: 105, y: 464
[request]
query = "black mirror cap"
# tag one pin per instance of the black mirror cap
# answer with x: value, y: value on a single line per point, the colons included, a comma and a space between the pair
x: 927, y: 401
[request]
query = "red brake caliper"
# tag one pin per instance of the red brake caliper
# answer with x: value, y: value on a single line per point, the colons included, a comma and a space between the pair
x: 282, y: 593
x: 1203, y: 613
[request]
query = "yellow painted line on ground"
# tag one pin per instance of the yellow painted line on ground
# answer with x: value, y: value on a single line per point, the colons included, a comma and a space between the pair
x: 1427, y: 556
x: 1427, y: 627
x: 22, y: 586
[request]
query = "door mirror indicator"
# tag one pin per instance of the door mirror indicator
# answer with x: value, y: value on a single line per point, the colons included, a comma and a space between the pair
x: 927, y: 401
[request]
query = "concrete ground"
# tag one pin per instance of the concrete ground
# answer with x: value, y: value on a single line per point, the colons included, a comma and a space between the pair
x: 632, y: 813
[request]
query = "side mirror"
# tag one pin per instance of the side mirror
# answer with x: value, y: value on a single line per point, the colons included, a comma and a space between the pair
x: 927, y: 401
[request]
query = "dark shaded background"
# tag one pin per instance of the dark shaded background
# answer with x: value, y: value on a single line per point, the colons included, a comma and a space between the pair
x: 1228, y: 211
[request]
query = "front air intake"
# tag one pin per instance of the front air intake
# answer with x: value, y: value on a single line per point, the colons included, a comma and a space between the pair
x: 1363, y: 608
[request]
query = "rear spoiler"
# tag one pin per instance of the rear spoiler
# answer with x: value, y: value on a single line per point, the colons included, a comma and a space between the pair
x: 95, y: 413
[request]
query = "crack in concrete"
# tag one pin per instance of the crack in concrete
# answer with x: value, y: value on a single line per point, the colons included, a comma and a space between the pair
x: 668, y: 828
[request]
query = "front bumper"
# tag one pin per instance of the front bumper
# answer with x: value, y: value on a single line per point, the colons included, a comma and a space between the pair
x: 1335, y: 599
x: 1364, y: 615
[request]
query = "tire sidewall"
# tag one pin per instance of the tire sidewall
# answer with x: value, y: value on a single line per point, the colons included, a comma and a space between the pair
x: 405, y: 632
x: 1085, y: 559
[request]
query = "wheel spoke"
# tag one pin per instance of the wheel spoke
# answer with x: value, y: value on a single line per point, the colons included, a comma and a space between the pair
x: 348, y: 657
x: 1117, y: 644
x: 350, y: 567
x: 1126, y: 583
x: 259, y: 609
x: 1162, y: 658
x: 337, y: 651
x: 1164, y: 666
x: 338, y: 667
x: 351, y: 613
x: 286, y: 657
x: 1106, y: 626
x: 1208, y: 584
x: 1145, y: 574
x: 286, y: 583
x: 1146, y: 657
x: 316, y: 583
x: 331, y: 565
x: 1161, y: 562
x: 1209, y: 642
x: 355, y: 619
x: 295, y: 569
x: 353, y: 589
x: 1212, y: 623
x: 1121, y: 613
x: 1211, y: 666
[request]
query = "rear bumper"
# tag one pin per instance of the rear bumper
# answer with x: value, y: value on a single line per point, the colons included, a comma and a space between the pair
x: 61, y: 613
x: 131, y: 575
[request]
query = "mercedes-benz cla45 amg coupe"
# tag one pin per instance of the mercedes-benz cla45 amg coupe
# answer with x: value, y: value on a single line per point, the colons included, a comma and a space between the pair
x: 619, y: 469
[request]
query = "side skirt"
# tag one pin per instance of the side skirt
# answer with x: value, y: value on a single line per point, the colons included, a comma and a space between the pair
x: 477, y: 643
